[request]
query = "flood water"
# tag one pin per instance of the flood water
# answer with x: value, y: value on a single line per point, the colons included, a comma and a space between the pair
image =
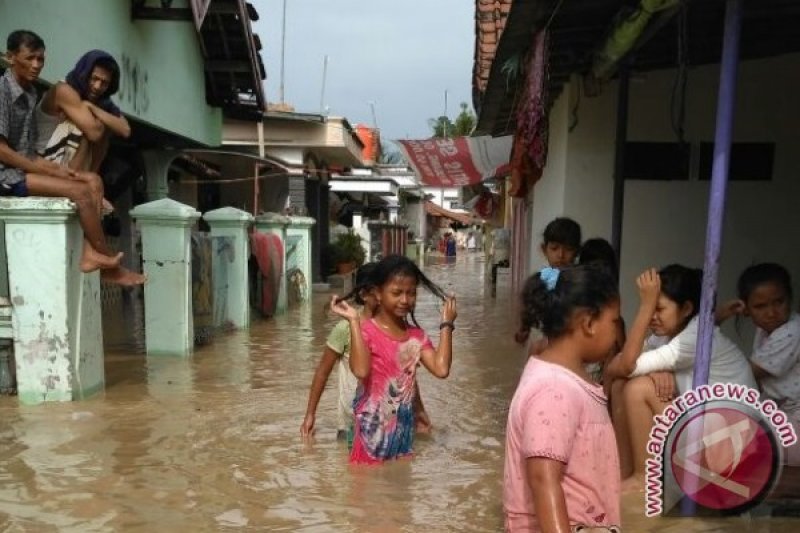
x: 212, y: 443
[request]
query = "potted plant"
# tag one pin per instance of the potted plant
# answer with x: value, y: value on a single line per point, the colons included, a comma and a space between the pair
x: 347, y: 252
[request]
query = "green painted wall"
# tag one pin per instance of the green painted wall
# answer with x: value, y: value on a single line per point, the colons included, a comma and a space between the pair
x: 162, y: 68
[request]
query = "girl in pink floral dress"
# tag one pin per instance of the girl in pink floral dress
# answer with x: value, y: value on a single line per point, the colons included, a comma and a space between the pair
x: 384, y: 354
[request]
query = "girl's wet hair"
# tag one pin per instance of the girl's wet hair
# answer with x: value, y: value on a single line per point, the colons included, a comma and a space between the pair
x: 682, y: 284
x: 587, y: 287
x: 392, y: 266
x: 563, y: 230
x: 600, y: 252
x: 762, y: 273
x: 364, y: 282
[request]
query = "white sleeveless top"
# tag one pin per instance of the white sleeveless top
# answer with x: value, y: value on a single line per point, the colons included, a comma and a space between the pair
x: 57, y: 140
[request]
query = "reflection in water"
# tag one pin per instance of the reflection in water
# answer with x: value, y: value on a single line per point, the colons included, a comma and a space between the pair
x: 212, y: 442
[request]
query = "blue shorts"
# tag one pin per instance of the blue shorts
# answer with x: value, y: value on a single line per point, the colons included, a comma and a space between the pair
x: 19, y: 189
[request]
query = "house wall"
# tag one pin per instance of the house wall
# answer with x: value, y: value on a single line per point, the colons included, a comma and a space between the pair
x: 665, y: 221
x: 444, y: 197
x: 273, y: 193
x: 162, y: 69
x: 548, y: 195
x: 278, y: 133
x: 414, y: 216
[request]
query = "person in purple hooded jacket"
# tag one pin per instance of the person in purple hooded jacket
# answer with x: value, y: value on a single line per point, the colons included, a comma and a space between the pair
x: 75, y: 118
x: 74, y: 121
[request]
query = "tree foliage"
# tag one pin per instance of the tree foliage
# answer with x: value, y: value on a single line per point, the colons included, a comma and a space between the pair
x: 462, y: 127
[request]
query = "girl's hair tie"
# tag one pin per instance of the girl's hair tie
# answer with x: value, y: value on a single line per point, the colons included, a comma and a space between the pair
x: 549, y: 276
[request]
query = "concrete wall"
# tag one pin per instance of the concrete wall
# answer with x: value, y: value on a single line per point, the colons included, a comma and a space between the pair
x: 548, y: 195
x: 444, y: 197
x: 162, y: 68
x: 277, y: 132
x: 665, y: 221
x: 291, y: 134
x: 273, y: 193
x: 414, y: 216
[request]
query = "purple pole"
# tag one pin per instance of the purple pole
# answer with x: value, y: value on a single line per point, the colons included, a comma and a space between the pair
x: 719, y: 182
x: 716, y: 211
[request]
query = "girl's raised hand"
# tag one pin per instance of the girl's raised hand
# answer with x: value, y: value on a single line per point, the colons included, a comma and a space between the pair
x: 729, y: 309
x: 449, y: 312
x: 649, y: 283
x: 343, y: 309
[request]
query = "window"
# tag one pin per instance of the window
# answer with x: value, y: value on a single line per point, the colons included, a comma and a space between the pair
x: 749, y: 161
x: 656, y: 161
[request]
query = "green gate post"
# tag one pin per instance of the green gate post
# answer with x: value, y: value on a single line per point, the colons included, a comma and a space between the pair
x: 56, y: 310
x: 300, y: 229
x: 231, y: 252
x: 166, y: 249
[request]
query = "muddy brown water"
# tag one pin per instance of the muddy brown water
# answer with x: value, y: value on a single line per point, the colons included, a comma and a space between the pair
x: 211, y: 443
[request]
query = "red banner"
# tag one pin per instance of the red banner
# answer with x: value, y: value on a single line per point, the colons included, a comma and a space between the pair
x: 456, y: 162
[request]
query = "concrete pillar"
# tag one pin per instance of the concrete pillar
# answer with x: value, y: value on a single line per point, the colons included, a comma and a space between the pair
x: 231, y: 252
x: 166, y: 249
x: 156, y: 167
x: 276, y: 224
x: 56, y: 312
x: 298, y: 250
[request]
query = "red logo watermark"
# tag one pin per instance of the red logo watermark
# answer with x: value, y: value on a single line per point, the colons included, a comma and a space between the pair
x: 722, y: 446
x: 723, y: 458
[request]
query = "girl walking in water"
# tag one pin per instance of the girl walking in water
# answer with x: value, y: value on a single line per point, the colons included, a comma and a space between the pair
x: 561, y: 467
x: 384, y: 353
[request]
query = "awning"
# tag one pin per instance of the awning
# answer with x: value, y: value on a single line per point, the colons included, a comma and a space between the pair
x: 436, y: 211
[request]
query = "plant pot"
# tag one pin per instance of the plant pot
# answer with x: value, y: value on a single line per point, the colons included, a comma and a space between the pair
x: 345, y: 268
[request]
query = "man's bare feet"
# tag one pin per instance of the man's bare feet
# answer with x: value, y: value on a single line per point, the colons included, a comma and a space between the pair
x: 123, y: 276
x: 92, y: 260
x: 632, y: 484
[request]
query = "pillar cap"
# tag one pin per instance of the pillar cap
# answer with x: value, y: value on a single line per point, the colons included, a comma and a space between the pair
x: 302, y: 222
x: 227, y: 214
x: 165, y: 209
x: 35, y: 207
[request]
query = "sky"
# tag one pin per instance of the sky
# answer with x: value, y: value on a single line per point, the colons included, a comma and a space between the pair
x: 402, y: 56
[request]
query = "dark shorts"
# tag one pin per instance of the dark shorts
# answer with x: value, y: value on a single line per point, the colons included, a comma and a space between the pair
x: 18, y: 189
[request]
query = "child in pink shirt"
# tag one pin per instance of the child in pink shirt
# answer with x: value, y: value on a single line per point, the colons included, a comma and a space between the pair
x: 561, y: 465
x: 384, y: 354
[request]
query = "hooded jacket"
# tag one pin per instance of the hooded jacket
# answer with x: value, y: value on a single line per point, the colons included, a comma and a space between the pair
x: 78, y: 79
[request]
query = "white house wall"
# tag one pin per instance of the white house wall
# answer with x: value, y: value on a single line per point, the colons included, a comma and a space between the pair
x: 664, y: 221
x: 548, y: 196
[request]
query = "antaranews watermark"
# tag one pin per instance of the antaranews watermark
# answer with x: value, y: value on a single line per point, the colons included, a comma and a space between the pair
x: 722, y: 446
